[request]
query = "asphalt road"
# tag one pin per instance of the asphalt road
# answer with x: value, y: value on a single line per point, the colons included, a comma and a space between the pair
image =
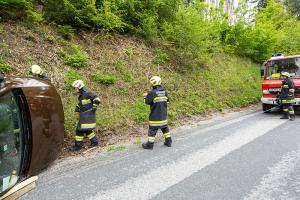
x: 247, y: 156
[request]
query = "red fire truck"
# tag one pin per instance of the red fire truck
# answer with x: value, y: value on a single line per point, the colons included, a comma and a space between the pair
x: 272, y: 80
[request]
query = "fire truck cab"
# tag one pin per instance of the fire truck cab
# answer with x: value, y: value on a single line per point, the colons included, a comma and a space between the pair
x: 272, y: 80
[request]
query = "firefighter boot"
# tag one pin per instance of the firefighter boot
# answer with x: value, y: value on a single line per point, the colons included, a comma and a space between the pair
x: 93, y: 144
x: 148, y: 145
x: 292, y: 118
x: 168, y: 142
x: 76, y: 147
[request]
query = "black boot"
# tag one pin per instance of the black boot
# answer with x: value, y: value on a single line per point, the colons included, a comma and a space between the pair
x: 292, y: 118
x: 148, y: 145
x: 168, y: 142
x: 93, y: 144
x: 75, y: 148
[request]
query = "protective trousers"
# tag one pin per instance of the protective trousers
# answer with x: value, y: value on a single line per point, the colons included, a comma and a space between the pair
x: 153, y: 130
x: 80, y: 136
x: 288, y: 109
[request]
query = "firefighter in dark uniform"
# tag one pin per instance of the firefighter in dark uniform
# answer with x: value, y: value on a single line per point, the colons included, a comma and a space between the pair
x: 87, y: 106
x: 157, y: 99
x: 37, y: 72
x: 287, y: 97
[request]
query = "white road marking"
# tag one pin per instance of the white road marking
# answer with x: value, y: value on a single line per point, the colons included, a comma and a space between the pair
x: 279, y: 176
x: 160, y: 179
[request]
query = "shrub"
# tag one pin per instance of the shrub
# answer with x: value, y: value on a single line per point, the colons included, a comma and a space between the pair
x: 4, y: 68
x: 161, y: 56
x: 14, y: 9
x: 192, y: 35
x: 104, y: 79
x: 70, y: 77
x: 35, y: 17
x: 84, y: 14
x: 66, y: 31
x: 73, y: 56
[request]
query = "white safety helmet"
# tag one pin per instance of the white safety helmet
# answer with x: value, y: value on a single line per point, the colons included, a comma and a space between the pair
x: 285, y: 74
x: 155, y: 80
x: 37, y: 70
x: 78, y: 84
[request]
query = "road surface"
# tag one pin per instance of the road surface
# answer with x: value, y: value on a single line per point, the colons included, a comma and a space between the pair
x: 248, y: 155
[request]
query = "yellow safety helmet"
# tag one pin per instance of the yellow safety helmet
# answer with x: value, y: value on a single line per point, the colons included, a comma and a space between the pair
x: 285, y: 74
x: 155, y: 80
x: 78, y: 84
x: 37, y: 70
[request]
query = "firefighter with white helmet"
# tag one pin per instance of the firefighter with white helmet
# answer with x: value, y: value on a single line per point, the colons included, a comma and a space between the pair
x: 38, y: 72
x: 87, y: 106
x: 157, y: 98
x: 287, y: 96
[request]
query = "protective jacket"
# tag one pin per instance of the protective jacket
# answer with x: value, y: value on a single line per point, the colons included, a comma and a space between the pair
x: 287, y: 91
x: 87, y: 107
x: 157, y: 98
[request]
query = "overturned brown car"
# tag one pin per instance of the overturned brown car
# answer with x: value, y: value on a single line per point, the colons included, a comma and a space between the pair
x: 31, y: 128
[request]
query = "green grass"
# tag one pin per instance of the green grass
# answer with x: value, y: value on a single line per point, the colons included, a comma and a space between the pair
x: 4, y: 68
x: 127, y: 75
x: 108, y: 79
x: 113, y: 148
x: 137, y: 142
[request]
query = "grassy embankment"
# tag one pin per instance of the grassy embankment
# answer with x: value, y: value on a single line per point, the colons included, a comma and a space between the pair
x: 117, y: 68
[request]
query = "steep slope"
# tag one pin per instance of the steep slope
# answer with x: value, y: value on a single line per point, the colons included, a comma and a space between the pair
x: 117, y: 68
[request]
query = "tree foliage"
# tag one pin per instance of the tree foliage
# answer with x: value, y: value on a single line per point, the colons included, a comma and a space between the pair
x: 294, y: 7
x: 14, y: 9
x: 189, y: 31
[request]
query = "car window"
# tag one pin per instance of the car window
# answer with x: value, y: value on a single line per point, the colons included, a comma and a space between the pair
x: 11, y: 143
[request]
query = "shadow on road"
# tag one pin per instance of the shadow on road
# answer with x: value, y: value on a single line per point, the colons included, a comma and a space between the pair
x: 278, y: 111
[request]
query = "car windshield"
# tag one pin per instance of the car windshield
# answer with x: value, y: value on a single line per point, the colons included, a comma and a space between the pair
x: 10, y: 142
x: 275, y: 68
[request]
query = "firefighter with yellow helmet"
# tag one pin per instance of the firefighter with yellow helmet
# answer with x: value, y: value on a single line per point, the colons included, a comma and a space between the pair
x: 157, y: 98
x: 37, y: 71
x: 87, y: 106
x: 287, y: 96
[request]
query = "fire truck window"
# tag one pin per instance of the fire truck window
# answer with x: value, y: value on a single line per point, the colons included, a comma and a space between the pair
x: 288, y: 65
x: 10, y: 142
x: 297, y: 63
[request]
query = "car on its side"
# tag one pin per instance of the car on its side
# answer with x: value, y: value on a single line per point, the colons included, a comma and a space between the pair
x: 31, y: 128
